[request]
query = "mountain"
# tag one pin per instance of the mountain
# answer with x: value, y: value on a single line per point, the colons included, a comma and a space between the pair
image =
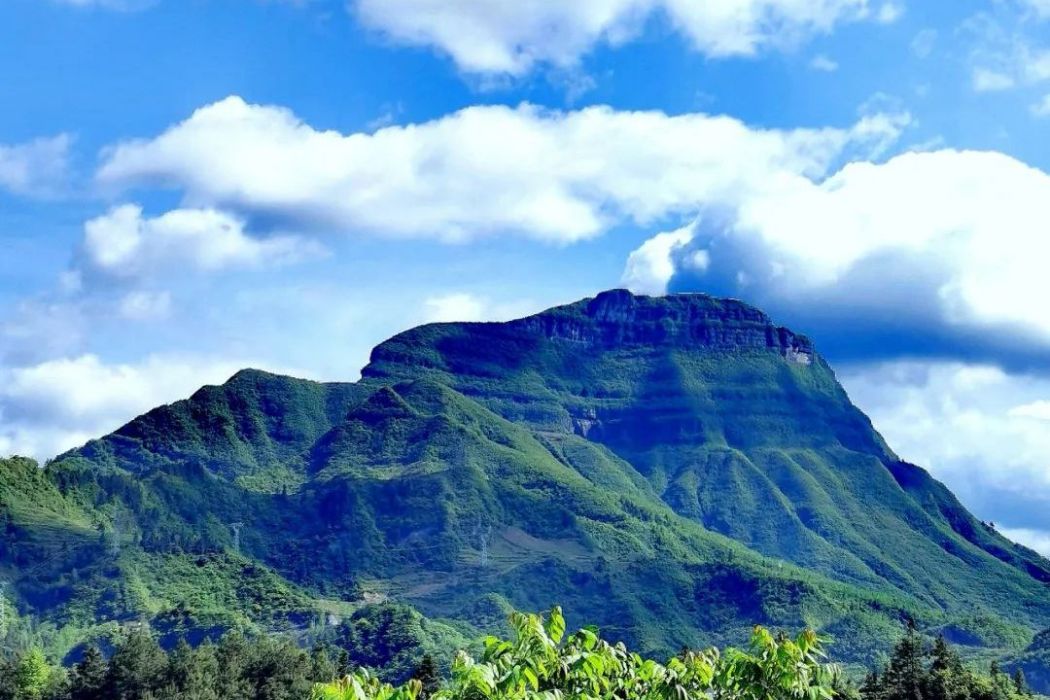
x: 674, y: 469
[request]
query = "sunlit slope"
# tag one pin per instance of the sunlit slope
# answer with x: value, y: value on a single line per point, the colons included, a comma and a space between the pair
x: 674, y: 469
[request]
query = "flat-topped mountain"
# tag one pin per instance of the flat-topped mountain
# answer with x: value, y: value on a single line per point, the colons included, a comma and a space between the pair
x: 674, y: 469
x: 618, y: 319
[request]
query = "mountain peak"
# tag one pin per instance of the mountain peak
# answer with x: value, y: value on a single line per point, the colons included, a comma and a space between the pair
x: 618, y: 317
x: 612, y: 319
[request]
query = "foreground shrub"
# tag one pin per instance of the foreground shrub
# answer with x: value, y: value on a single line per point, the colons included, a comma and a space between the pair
x: 540, y: 663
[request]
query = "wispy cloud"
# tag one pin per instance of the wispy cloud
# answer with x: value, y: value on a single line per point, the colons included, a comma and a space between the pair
x: 36, y: 168
x: 516, y: 37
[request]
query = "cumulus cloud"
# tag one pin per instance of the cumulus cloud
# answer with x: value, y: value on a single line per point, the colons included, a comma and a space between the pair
x: 59, y: 404
x: 124, y: 243
x: 934, y: 253
x: 511, y: 38
x: 1039, y: 410
x: 38, y: 167
x: 549, y: 175
x: 981, y: 430
x: 651, y: 266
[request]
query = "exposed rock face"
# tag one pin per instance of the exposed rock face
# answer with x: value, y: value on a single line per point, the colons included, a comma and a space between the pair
x: 618, y: 319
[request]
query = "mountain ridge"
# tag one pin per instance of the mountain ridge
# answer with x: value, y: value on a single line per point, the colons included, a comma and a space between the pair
x: 630, y: 457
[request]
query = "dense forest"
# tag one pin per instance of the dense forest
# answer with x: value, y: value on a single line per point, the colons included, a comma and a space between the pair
x: 538, y: 661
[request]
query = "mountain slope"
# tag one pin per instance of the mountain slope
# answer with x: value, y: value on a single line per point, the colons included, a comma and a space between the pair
x: 674, y: 469
x: 737, y: 424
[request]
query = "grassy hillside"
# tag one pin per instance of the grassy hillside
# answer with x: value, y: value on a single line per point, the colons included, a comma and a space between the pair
x: 674, y: 470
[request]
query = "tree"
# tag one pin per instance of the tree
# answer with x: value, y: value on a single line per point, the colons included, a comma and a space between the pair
x: 32, y: 674
x: 88, y: 679
x: 1020, y: 684
x: 191, y: 674
x: 277, y: 670
x: 904, y: 677
x: 939, y: 674
x: 322, y: 668
x: 947, y: 678
x: 136, y: 671
x: 871, y: 688
x: 427, y: 675
x: 8, y: 686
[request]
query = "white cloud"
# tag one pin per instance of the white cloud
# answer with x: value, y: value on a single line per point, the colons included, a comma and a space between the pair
x: 651, y: 266
x: 463, y: 306
x: 36, y: 168
x: 454, y: 307
x: 1005, y: 56
x: 513, y: 37
x: 59, y: 404
x: 889, y: 12
x: 123, y: 243
x: 962, y: 422
x: 988, y: 80
x: 962, y: 234
x: 1037, y: 410
x: 1039, y: 540
x: 555, y: 176
x: 143, y: 305
x: 823, y: 64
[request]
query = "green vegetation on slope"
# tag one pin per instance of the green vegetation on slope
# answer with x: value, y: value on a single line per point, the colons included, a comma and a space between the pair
x: 672, y: 469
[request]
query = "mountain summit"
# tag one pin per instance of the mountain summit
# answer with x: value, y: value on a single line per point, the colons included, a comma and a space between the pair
x: 675, y: 469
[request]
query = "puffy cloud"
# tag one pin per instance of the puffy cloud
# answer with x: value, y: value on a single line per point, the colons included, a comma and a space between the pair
x: 124, y: 243
x: 555, y: 176
x: 981, y: 430
x: 55, y: 405
x: 935, y: 253
x: 651, y: 266
x: 36, y: 168
x: 1040, y: 410
x: 513, y: 37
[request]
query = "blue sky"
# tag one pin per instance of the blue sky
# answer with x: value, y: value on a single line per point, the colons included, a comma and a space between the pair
x: 191, y: 187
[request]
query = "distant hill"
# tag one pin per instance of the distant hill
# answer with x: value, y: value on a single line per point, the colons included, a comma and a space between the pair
x: 674, y: 469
